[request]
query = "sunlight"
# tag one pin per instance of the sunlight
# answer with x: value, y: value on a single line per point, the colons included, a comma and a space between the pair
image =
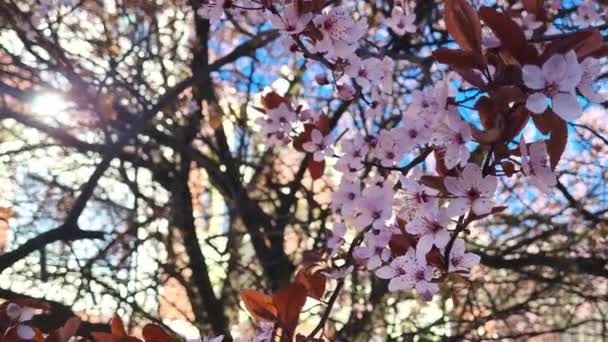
x: 48, y: 104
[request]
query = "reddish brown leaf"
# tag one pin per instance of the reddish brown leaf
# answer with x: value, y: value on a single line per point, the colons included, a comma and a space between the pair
x: 400, y: 243
x: 472, y: 77
x: 154, y: 333
x: 434, y: 182
x: 64, y: 333
x: 546, y: 121
x: 508, y: 167
x: 303, y: 137
x: 102, y: 337
x: 316, y: 169
x: 510, y: 35
x: 515, y: 122
x: 463, y: 24
x: 557, y: 142
x: 440, y: 167
x: 313, y: 281
x: 487, y: 112
x: 289, y: 302
x: 435, y: 258
x: 465, y: 59
x: 584, y: 43
x: 535, y: 7
x: 273, y: 100
x: 259, y: 305
x: 118, y: 327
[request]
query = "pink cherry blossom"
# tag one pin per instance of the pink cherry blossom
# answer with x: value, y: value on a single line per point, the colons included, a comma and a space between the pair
x: 374, y: 207
x: 472, y: 191
x: 460, y: 260
x: 452, y: 136
x: 431, y: 227
x: 277, y: 124
x: 376, y: 251
x: 339, y: 273
x: 346, y: 197
x: 290, y: 22
x: 591, y: 69
x: 528, y: 23
x: 402, y: 23
x: 19, y: 313
x: 418, y: 195
x: 319, y: 145
x: 264, y: 333
x: 535, y: 165
x: 408, y: 271
x: 336, y: 239
x: 340, y: 32
x: 556, y: 80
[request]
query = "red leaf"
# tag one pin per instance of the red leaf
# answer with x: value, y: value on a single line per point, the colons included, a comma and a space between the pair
x: 118, y: 328
x: 64, y: 333
x: 515, y: 122
x: 102, y: 337
x: 510, y: 35
x: 434, y: 182
x: 273, y: 100
x: 584, y: 43
x: 316, y: 168
x: 289, y: 302
x: 259, y: 305
x: 462, y: 23
x: 557, y: 142
x: 465, y: 59
x: 314, y: 282
x: 303, y: 137
x: 400, y: 243
x: 535, y: 7
x: 154, y: 333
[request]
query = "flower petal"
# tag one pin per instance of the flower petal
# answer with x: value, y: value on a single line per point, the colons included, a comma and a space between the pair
x: 567, y: 106
x: 536, y: 103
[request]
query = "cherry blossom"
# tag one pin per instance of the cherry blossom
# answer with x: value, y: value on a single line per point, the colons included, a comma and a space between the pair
x: 402, y: 23
x: 408, y: 271
x: 277, y: 124
x: 556, y: 80
x: 418, y: 195
x: 591, y: 69
x: 337, y: 238
x: 346, y: 198
x: 264, y: 332
x: 340, y: 32
x: 460, y: 260
x: 376, y: 250
x: 319, y: 146
x: 528, y: 23
x: 291, y: 22
x: 431, y: 227
x: 453, y: 136
x: 374, y: 207
x: 472, y: 191
x: 19, y: 313
x: 535, y: 165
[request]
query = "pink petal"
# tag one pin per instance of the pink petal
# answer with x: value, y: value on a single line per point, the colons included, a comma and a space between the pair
x: 536, y: 103
x: 482, y: 206
x: 567, y: 106
x: 533, y: 77
x: 555, y: 68
x: 401, y: 282
x: 458, y: 206
x: 386, y: 272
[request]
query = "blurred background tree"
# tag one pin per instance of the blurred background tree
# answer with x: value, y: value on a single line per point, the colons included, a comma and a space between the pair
x: 133, y: 180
